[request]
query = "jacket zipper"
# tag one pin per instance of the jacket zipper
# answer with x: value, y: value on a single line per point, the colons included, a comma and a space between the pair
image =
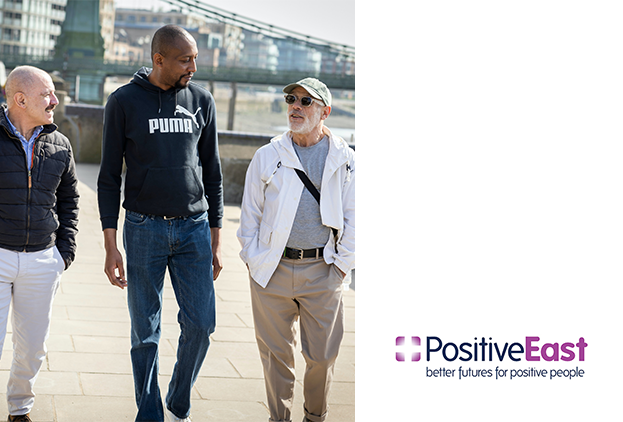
x: 32, y: 161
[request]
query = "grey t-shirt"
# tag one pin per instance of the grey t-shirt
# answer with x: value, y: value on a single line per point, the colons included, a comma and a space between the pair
x: 307, y: 230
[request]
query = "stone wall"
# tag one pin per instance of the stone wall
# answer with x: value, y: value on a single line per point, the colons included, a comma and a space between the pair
x: 236, y: 150
x: 83, y: 124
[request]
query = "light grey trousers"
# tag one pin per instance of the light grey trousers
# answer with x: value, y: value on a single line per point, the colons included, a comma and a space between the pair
x: 311, y: 290
x: 29, y: 280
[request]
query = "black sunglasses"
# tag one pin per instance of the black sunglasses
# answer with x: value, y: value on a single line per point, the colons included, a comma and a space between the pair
x: 305, y: 101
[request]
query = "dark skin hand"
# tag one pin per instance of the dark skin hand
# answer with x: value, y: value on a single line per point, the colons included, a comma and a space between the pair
x: 114, y: 268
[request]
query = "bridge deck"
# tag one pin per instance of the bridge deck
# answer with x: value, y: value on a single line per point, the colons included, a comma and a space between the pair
x: 100, y: 67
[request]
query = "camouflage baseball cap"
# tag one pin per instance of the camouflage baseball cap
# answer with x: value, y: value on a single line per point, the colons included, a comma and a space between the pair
x: 315, y: 88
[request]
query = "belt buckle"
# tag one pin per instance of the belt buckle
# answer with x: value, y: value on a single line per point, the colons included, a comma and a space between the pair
x: 293, y: 253
x: 169, y: 217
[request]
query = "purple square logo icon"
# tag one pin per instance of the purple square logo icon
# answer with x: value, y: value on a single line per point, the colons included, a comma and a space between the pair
x: 407, y: 348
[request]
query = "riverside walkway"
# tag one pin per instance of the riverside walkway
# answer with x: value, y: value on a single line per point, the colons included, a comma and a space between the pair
x: 87, y: 375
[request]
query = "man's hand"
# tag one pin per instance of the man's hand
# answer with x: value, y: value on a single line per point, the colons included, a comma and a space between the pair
x: 217, y: 262
x: 113, y: 266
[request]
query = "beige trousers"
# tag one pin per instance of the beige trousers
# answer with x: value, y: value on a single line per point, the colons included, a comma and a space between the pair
x: 311, y: 290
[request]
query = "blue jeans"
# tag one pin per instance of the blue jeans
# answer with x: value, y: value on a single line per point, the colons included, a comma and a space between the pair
x: 182, y: 245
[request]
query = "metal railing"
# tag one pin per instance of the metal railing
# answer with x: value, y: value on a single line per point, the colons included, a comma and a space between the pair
x: 73, y: 66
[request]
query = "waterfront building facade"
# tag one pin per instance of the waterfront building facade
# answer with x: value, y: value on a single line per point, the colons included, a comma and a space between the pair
x: 30, y: 27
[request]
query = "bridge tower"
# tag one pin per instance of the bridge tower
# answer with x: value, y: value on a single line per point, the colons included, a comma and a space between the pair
x: 81, y: 39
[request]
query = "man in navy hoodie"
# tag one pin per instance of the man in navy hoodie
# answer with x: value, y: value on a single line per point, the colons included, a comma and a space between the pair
x: 164, y: 126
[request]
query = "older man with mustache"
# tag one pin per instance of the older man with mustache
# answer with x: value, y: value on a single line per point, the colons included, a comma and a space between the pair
x: 297, y: 231
x: 38, y: 224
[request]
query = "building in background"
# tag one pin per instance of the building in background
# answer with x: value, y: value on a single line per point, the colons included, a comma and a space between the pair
x: 259, y: 52
x: 30, y: 27
x: 135, y: 27
x: 337, y: 63
x: 223, y: 45
x: 298, y: 56
x: 229, y: 40
x: 107, y: 22
x: 33, y: 27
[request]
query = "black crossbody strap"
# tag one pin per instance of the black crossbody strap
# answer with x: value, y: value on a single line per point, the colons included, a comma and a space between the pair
x: 312, y: 189
x: 308, y: 184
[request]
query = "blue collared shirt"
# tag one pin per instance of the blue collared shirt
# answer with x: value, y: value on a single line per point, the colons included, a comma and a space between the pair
x: 27, y: 144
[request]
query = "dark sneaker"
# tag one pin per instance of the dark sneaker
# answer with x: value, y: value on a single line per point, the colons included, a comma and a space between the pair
x: 19, y: 418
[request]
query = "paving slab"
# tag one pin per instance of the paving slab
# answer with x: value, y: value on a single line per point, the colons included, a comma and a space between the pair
x: 87, y: 374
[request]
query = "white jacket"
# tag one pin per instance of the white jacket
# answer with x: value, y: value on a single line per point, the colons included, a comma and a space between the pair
x: 271, y: 196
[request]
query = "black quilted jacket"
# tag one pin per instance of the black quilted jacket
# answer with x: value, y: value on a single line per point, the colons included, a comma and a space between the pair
x: 38, y: 209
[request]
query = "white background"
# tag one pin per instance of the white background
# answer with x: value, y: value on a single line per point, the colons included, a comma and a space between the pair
x: 490, y: 182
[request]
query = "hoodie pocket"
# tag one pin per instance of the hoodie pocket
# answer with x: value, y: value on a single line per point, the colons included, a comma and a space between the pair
x: 170, y: 189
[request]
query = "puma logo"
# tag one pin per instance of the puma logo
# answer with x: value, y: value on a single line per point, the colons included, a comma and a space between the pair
x: 182, y: 110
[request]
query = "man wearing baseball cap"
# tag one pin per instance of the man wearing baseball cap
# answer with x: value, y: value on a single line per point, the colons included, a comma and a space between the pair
x: 297, y: 231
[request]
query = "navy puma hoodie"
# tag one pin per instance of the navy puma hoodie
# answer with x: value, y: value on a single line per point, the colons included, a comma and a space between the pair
x: 169, y: 142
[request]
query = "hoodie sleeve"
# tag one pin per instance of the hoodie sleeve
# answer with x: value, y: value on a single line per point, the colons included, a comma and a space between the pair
x: 211, y: 167
x: 109, y: 180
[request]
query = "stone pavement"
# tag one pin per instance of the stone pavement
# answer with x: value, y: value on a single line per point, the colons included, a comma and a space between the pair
x: 87, y: 375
